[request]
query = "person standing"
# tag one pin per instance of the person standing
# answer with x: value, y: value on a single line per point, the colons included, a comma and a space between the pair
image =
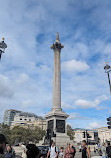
x: 9, y: 152
x: 103, y: 149
x: 53, y: 151
x: 80, y: 148
x: 3, y: 143
x: 61, y: 154
x: 85, y: 150
x: 74, y: 150
x: 96, y: 147
x: 24, y: 151
x: 69, y: 151
x: 108, y: 150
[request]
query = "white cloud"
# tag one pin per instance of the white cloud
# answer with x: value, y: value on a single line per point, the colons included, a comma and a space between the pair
x: 67, y: 106
x: 27, y: 103
x: 74, y: 66
x: 77, y: 116
x: 85, y: 104
x: 23, y: 78
x: 6, y: 90
x: 94, y: 125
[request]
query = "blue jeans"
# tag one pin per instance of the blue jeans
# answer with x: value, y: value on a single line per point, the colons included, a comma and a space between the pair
x: 104, y: 157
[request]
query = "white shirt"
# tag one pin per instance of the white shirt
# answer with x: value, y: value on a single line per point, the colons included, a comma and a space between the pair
x: 103, y: 149
x: 24, y: 155
x: 52, y: 152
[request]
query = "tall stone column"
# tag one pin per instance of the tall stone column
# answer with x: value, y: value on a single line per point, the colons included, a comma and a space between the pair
x: 57, y: 46
x: 56, y: 118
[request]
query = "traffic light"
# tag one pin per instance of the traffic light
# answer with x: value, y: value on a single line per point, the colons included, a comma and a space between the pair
x: 109, y: 122
x: 88, y: 136
x: 84, y: 134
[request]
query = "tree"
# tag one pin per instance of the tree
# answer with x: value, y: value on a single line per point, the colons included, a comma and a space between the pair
x: 5, y: 129
x: 69, y: 127
x: 21, y: 134
x: 26, y: 135
x: 70, y: 132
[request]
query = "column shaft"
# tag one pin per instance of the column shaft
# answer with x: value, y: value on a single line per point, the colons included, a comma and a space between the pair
x: 57, y: 81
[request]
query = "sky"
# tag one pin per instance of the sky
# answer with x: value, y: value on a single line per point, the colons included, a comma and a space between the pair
x: 26, y: 69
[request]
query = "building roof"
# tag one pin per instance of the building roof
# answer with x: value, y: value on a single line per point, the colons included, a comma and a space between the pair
x: 26, y: 114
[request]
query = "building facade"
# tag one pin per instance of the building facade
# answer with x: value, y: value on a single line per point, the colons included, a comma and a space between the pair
x: 27, y: 120
x: 28, y: 124
x: 104, y: 134
x: 23, y: 117
x: 9, y: 116
x: 80, y: 135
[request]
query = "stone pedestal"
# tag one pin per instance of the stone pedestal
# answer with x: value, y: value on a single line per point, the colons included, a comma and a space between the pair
x: 61, y: 140
x: 56, y: 122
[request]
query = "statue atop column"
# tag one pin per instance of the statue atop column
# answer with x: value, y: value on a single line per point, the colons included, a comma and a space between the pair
x: 57, y: 38
x: 57, y: 46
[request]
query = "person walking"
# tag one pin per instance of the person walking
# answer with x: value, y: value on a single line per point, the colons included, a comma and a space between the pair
x: 69, y: 151
x: 108, y: 150
x: 3, y: 143
x: 85, y: 150
x: 9, y: 152
x: 53, y: 151
x: 103, y: 149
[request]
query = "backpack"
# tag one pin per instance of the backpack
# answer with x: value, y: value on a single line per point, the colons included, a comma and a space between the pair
x: 74, y: 151
x: 13, y: 153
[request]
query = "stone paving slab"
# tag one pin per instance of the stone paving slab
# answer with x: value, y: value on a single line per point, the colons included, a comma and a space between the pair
x: 97, y: 157
x: 93, y: 155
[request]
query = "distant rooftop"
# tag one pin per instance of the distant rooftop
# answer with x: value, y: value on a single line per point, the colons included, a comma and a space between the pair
x: 27, y: 114
x: 82, y: 129
x: 13, y: 110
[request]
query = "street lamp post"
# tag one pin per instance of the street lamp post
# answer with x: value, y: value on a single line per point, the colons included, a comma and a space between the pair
x: 107, y: 69
x: 3, y: 46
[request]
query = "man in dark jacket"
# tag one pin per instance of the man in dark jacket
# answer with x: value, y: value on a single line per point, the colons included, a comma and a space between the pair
x: 108, y: 150
x: 2, y: 145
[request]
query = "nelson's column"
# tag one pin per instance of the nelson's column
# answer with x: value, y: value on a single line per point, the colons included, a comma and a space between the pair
x: 56, y: 118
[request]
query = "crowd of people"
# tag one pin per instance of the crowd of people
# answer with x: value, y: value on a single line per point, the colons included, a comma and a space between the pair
x: 104, y: 150
x: 69, y: 152
x: 6, y: 151
x: 32, y: 151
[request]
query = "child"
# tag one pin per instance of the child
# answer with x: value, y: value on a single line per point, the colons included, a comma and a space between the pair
x: 61, y: 154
